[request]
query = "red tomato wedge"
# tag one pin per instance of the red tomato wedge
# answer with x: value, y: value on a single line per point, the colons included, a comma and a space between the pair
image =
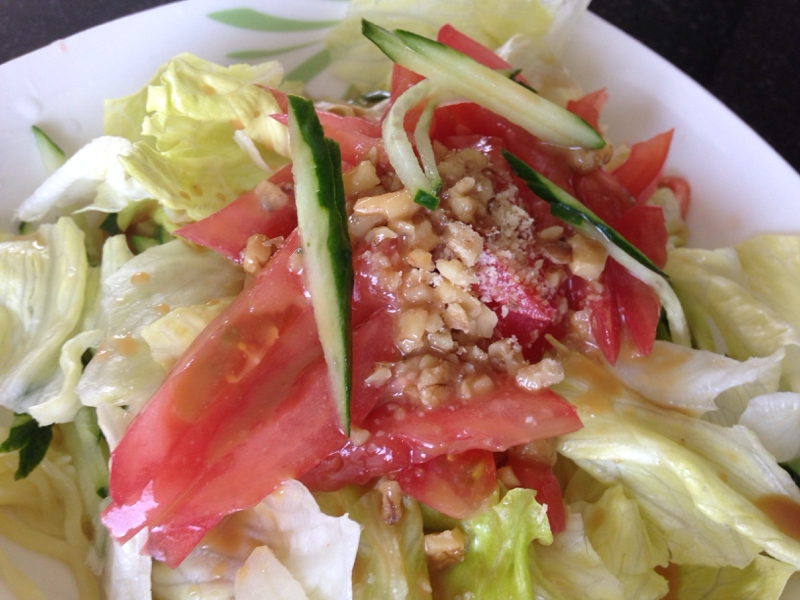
x: 589, y: 106
x: 640, y: 171
x: 603, y: 194
x: 244, y: 381
x: 355, y: 136
x: 548, y: 491
x: 227, y: 230
x: 450, y: 36
x: 456, y: 485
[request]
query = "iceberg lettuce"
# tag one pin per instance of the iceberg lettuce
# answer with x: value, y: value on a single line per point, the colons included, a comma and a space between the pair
x: 42, y: 303
x: 186, y: 127
x: 390, y: 563
x: 696, y: 481
x: 92, y: 179
x: 496, y: 559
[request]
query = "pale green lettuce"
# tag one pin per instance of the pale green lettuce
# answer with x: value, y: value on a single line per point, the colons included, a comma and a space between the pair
x: 42, y: 302
x: 185, y: 124
x: 570, y: 568
x: 496, y: 557
x: 390, y: 563
x: 763, y: 579
x: 748, y: 293
x: 694, y: 480
x: 92, y: 179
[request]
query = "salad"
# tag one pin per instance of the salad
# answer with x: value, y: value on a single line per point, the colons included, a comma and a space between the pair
x: 541, y: 391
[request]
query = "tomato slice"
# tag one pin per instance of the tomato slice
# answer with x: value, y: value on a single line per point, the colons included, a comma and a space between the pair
x: 589, y: 106
x: 227, y: 230
x: 245, y: 380
x: 450, y: 36
x: 603, y: 194
x: 469, y: 119
x: 355, y: 136
x: 640, y: 171
x: 456, y: 485
x: 644, y: 227
x: 548, y: 491
x: 639, y: 307
x: 496, y: 420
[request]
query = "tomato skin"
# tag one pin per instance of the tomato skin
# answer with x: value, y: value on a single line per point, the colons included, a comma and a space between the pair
x: 589, y: 106
x: 640, y: 172
x: 638, y: 306
x: 507, y: 416
x: 603, y: 195
x: 456, y: 485
x: 450, y: 36
x: 469, y: 119
x: 253, y: 364
x: 355, y: 136
x: 541, y: 478
x: 227, y: 230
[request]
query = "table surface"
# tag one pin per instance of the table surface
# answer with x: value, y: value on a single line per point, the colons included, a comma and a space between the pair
x: 745, y: 52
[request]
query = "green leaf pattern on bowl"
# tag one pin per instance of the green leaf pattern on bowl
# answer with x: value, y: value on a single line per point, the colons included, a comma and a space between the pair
x: 253, y: 20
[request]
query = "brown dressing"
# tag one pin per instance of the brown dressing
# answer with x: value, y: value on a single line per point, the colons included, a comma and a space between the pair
x: 672, y: 573
x: 782, y: 511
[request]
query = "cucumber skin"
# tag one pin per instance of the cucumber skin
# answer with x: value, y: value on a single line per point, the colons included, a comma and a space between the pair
x: 467, y: 77
x: 325, y: 215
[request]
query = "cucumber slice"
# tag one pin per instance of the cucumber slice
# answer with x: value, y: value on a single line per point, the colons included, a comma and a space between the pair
x: 458, y: 73
x: 52, y: 156
x: 573, y: 211
x: 322, y: 221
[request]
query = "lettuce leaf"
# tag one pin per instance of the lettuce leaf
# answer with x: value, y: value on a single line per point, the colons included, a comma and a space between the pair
x: 694, y: 480
x: 496, y: 561
x: 42, y: 301
x: 734, y: 309
x: 570, y: 568
x: 285, y: 545
x: 183, y: 126
x: 763, y: 579
x: 390, y: 563
x: 92, y: 179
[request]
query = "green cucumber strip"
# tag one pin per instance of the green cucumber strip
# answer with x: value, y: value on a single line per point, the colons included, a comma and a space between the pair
x: 423, y: 187
x: 574, y: 212
x: 458, y: 73
x: 52, y: 156
x: 322, y: 221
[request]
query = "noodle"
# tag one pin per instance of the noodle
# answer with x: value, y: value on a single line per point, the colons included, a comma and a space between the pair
x: 44, y: 513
